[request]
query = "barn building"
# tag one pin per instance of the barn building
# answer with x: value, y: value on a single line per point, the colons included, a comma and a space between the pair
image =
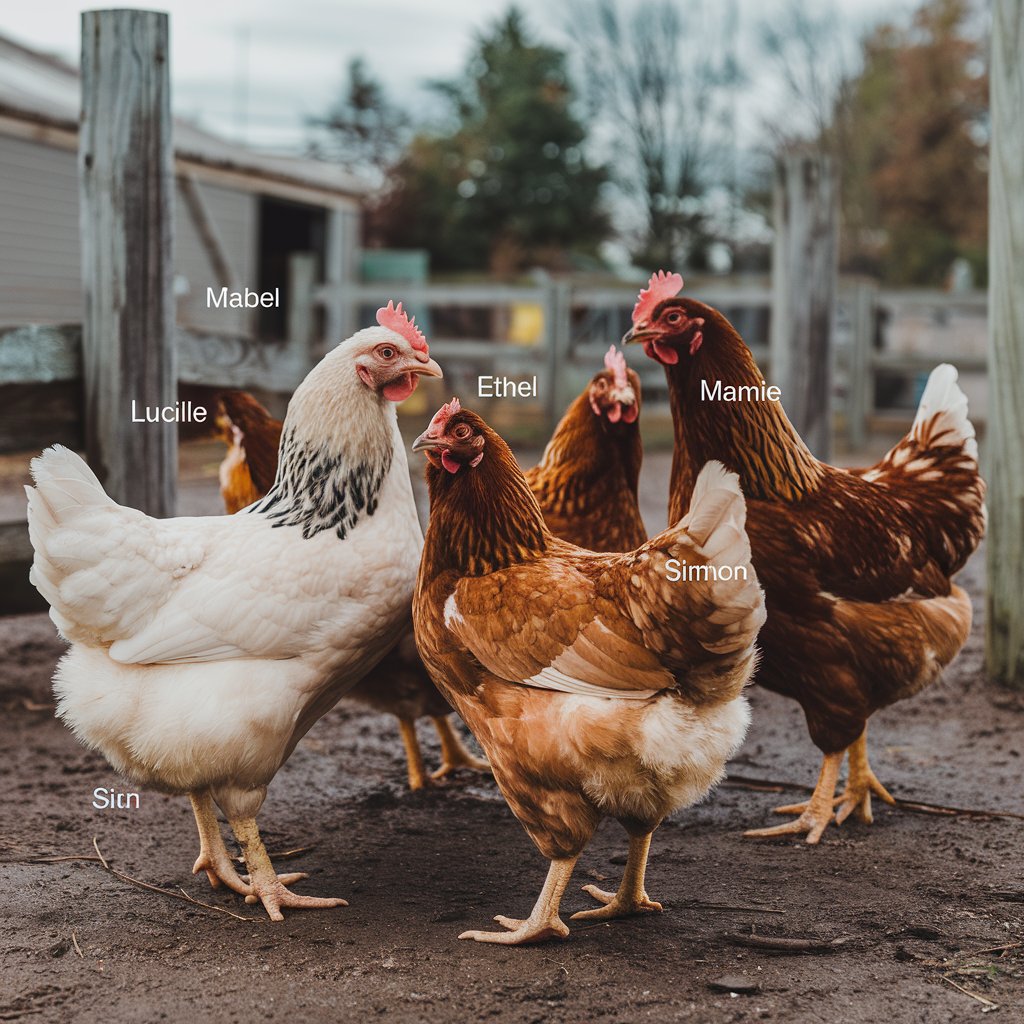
x: 239, y: 215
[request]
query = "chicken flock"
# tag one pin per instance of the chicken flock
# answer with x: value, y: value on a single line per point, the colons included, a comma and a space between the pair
x: 602, y: 672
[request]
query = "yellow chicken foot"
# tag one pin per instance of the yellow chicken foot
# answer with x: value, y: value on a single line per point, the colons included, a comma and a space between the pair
x: 266, y: 886
x: 454, y: 753
x: 860, y: 784
x: 631, y: 897
x: 413, y: 754
x: 214, y: 858
x: 814, y: 814
x: 543, y: 922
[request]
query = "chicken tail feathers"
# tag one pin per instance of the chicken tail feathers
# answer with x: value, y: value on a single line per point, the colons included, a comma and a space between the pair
x: 716, y: 525
x: 942, y: 414
x: 64, y: 486
x: 64, y: 481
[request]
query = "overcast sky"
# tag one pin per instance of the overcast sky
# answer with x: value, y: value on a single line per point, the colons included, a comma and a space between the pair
x: 273, y: 63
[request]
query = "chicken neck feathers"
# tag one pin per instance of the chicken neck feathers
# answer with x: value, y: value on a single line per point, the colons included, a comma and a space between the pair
x: 586, y: 481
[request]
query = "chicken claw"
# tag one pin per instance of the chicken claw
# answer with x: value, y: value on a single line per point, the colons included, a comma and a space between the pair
x: 860, y: 784
x: 521, y: 932
x: 815, y: 814
x: 454, y: 753
x: 266, y: 886
x: 214, y: 858
x: 543, y: 923
x: 631, y: 898
x: 614, y: 906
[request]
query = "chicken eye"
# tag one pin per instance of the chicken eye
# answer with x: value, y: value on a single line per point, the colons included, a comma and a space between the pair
x: 674, y: 317
x: 462, y: 431
x: 386, y: 352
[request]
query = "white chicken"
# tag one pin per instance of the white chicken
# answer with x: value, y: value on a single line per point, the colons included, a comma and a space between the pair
x: 203, y: 649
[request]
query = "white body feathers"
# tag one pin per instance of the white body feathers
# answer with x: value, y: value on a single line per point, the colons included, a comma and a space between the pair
x: 202, y: 649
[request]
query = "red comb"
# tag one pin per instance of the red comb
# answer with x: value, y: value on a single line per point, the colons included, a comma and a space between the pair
x: 616, y: 362
x: 444, y: 414
x: 394, y: 319
x: 662, y: 286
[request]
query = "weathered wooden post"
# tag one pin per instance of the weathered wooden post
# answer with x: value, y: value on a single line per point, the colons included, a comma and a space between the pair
x: 126, y: 193
x: 342, y: 271
x: 804, y: 270
x: 860, y: 390
x: 558, y: 339
x: 1005, y: 618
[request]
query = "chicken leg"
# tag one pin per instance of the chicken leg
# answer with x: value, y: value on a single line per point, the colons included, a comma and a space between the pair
x: 264, y: 882
x: 413, y: 754
x: 631, y: 897
x: 860, y: 784
x: 214, y: 858
x: 454, y: 753
x: 814, y: 814
x: 543, y: 922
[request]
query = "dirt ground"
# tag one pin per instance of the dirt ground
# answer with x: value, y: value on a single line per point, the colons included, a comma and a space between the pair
x: 920, y: 907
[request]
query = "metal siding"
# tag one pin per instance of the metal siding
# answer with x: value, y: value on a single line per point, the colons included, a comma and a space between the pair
x: 233, y: 215
x: 40, y: 278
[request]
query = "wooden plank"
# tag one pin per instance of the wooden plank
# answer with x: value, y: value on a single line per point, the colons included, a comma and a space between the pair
x: 473, y: 295
x: 126, y: 196
x: 917, y: 299
x: 804, y: 279
x: 714, y: 295
x: 924, y: 362
x: 34, y: 416
x: 1005, y: 548
x: 39, y: 354
x: 341, y: 270
x: 234, y: 361
x: 861, y: 383
x: 207, y: 231
x: 299, y: 314
x: 557, y: 343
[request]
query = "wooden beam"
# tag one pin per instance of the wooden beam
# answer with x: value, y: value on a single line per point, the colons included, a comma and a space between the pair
x: 804, y: 282
x: 1005, y: 547
x: 126, y: 197
x: 191, y: 192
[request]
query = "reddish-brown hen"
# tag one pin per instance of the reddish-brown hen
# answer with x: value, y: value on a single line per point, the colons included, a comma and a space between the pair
x: 399, y: 685
x: 253, y: 437
x: 856, y: 566
x: 595, y: 685
x: 586, y: 481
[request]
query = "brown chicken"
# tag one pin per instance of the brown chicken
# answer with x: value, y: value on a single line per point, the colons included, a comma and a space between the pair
x: 595, y: 685
x: 253, y: 437
x: 399, y: 685
x: 586, y: 481
x: 856, y: 566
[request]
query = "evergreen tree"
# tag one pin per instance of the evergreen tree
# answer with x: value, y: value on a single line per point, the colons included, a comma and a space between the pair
x: 507, y: 185
x: 363, y: 131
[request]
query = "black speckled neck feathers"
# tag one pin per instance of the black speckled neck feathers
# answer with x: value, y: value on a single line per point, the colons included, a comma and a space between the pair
x: 337, y: 447
x: 316, y: 489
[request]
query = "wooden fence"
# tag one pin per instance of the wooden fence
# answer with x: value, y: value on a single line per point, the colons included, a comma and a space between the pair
x: 75, y: 383
x: 579, y: 322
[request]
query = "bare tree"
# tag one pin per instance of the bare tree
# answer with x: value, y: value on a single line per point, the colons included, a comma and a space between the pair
x: 657, y: 91
x: 813, y: 53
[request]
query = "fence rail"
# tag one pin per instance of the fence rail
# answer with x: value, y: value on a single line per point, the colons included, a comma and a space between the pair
x: 578, y: 324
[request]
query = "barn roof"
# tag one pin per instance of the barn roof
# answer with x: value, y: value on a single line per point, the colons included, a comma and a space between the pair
x: 43, y: 89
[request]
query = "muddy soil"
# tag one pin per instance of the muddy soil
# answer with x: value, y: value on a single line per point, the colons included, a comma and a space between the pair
x: 916, y: 904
